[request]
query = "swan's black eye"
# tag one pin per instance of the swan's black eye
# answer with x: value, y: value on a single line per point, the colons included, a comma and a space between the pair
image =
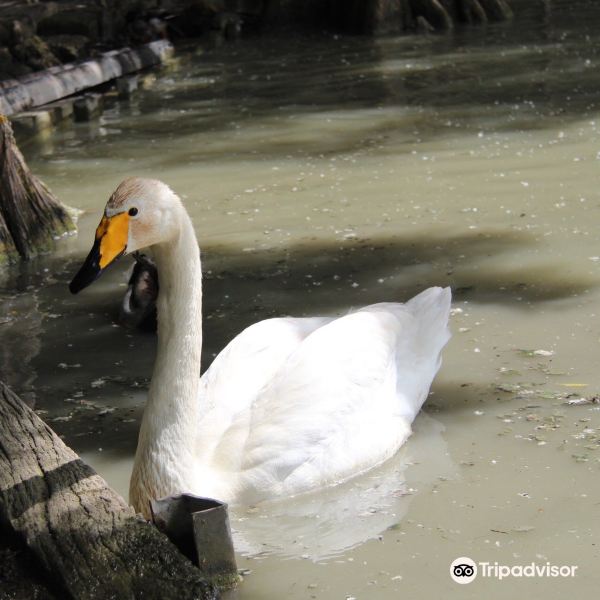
x: 133, y: 211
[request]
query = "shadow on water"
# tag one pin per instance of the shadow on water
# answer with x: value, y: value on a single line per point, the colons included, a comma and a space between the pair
x: 455, y: 396
x: 87, y: 358
x: 356, y: 271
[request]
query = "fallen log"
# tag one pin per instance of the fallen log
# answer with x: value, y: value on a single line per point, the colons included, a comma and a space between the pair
x: 17, y: 95
x: 89, y: 542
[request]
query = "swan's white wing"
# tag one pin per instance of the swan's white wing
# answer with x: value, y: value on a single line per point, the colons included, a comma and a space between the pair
x: 342, y: 402
x: 350, y: 513
x: 234, y: 379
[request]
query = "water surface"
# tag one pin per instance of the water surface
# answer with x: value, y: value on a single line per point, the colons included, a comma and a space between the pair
x: 324, y: 173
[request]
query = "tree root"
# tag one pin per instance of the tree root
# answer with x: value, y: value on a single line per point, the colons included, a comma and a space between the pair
x: 473, y: 12
x: 433, y: 13
x: 497, y: 10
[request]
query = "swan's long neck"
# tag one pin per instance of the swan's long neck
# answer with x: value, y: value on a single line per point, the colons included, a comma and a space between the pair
x: 166, y: 445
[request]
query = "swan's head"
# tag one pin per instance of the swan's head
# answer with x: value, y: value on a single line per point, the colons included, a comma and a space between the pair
x: 140, y: 213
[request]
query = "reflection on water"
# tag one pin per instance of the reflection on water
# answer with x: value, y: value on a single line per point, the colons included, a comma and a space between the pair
x: 20, y: 324
x: 337, y: 519
x: 326, y: 173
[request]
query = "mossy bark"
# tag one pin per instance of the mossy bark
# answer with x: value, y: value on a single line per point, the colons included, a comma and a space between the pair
x: 21, y: 577
x: 31, y: 217
x: 85, y: 538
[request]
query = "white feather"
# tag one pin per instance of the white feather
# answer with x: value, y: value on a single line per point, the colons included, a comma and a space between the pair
x: 289, y: 405
x: 336, y: 401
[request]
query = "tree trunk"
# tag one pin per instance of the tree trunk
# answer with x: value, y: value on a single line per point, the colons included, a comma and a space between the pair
x: 29, y: 213
x: 89, y: 542
x: 8, y: 250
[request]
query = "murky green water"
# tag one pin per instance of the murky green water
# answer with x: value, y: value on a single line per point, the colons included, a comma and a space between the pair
x: 326, y: 173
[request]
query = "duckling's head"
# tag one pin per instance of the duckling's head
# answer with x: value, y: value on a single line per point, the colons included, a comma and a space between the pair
x: 140, y: 213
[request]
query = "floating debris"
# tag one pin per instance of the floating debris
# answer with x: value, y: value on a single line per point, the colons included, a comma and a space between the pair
x: 580, y: 457
x: 523, y: 529
x: 521, y: 392
x: 509, y: 388
x: 508, y: 371
x: 545, y: 369
x: 580, y: 401
x: 531, y: 353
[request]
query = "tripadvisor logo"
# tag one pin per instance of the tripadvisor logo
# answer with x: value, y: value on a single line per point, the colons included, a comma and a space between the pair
x: 464, y: 570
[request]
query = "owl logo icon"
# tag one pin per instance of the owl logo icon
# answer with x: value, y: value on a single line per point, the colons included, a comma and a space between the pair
x: 463, y: 570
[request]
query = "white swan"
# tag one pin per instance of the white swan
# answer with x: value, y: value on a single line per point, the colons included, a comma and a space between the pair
x: 290, y: 404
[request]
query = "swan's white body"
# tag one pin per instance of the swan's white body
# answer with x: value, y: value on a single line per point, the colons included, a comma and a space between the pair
x: 296, y: 404
x: 290, y: 404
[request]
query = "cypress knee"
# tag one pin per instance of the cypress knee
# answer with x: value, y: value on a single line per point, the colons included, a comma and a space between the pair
x: 31, y: 217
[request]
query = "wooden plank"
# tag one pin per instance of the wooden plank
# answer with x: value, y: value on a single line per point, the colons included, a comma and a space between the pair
x: 83, y: 533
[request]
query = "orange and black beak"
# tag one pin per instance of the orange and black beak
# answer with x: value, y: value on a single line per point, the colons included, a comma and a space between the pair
x: 110, y: 244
